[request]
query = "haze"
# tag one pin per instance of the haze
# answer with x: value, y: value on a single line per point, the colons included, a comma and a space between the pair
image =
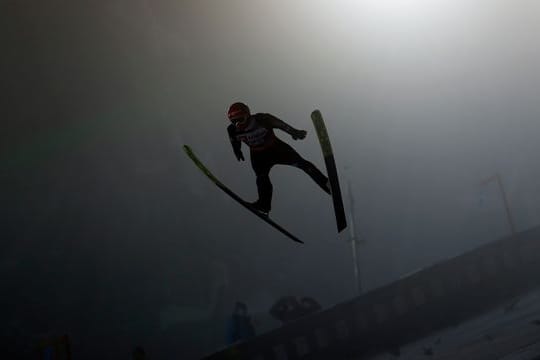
x: 107, y: 225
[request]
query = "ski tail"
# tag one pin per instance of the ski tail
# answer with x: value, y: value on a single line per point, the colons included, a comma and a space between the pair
x: 328, y: 154
x: 208, y: 174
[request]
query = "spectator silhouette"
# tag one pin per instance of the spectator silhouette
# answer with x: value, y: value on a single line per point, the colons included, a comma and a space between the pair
x: 240, y: 326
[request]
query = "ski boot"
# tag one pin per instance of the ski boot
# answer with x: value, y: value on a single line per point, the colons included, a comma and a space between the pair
x: 257, y: 206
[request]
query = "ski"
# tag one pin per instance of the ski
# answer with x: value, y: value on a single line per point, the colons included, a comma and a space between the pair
x: 331, y: 169
x: 233, y: 195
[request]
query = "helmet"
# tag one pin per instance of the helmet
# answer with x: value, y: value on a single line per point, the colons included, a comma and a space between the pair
x: 238, y: 110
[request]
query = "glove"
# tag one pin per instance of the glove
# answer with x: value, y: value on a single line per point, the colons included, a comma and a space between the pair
x: 239, y: 155
x: 299, y: 134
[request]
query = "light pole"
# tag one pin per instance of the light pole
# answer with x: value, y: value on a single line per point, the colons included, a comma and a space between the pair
x: 497, y: 178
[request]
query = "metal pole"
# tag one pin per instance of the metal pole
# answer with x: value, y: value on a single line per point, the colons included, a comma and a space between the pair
x: 354, y: 240
x: 497, y: 178
x: 506, y: 206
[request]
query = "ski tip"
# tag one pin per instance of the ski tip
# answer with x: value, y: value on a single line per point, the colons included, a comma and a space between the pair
x: 316, y: 113
x: 187, y: 149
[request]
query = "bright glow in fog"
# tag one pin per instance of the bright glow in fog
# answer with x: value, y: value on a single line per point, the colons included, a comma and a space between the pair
x: 392, y: 13
x: 397, y: 27
x: 403, y: 10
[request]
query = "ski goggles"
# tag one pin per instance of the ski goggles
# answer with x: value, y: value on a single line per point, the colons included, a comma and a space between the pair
x: 239, y: 120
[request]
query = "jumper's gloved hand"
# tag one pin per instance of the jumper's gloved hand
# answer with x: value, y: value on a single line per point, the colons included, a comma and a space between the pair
x: 239, y: 155
x: 299, y: 134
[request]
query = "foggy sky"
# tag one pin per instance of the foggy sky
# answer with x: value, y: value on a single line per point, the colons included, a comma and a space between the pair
x: 101, y: 208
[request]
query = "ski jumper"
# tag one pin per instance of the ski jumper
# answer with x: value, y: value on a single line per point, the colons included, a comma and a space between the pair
x: 267, y: 150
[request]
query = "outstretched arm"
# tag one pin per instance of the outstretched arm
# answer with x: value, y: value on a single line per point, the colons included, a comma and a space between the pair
x: 236, y: 144
x: 282, y: 125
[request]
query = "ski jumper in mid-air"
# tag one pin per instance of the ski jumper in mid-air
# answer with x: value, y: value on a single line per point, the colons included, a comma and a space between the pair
x: 267, y: 150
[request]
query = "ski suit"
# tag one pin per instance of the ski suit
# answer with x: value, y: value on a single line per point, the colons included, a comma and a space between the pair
x: 267, y: 150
